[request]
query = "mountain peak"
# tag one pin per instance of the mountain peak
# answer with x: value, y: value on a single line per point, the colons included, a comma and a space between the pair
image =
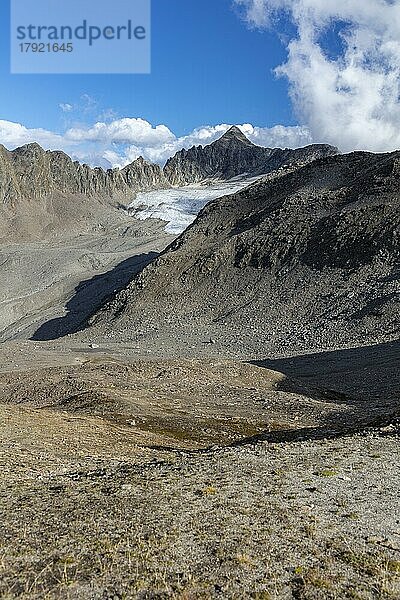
x: 235, y: 134
x: 31, y: 148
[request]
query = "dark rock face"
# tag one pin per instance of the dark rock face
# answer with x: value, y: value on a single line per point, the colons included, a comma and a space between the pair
x: 30, y: 172
x: 233, y: 155
x: 301, y: 260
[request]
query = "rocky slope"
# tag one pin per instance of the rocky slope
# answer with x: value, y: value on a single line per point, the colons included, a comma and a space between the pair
x: 233, y: 155
x: 296, y: 261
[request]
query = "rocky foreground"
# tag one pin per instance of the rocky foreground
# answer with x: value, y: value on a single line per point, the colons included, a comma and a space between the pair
x: 88, y: 512
x: 131, y: 478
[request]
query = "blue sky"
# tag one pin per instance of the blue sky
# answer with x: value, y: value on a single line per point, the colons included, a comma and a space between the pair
x: 289, y: 72
x: 207, y: 68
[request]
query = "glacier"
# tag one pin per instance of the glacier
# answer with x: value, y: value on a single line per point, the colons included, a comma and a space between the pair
x: 178, y: 207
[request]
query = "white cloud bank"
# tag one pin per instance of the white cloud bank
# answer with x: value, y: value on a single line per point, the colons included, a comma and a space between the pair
x: 119, y: 142
x: 350, y: 100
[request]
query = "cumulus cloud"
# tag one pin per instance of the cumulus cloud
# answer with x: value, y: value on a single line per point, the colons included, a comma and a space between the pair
x: 351, y: 99
x: 15, y: 134
x: 279, y: 136
x: 123, y: 131
x: 120, y: 142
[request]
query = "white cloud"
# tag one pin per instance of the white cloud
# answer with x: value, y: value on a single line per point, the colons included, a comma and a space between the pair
x: 123, y: 131
x: 122, y: 141
x: 65, y: 107
x: 279, y: 136
x: 351, y: 100
x: 15, y: 134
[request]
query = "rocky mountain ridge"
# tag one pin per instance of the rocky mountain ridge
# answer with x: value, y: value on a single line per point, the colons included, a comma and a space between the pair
x: 30, y: 172
x: 233, y: 155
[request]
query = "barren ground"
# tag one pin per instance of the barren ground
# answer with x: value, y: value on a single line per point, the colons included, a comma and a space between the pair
x: 198, y: 469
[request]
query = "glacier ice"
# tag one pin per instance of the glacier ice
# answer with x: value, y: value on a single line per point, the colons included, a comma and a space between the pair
x: 180, y: 206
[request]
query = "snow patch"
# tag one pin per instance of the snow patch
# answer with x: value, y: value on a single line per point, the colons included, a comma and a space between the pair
x: 180, y: 206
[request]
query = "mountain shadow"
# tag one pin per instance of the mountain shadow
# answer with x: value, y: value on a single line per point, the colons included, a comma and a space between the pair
x: 367, y: 377
x: 89, y: 295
